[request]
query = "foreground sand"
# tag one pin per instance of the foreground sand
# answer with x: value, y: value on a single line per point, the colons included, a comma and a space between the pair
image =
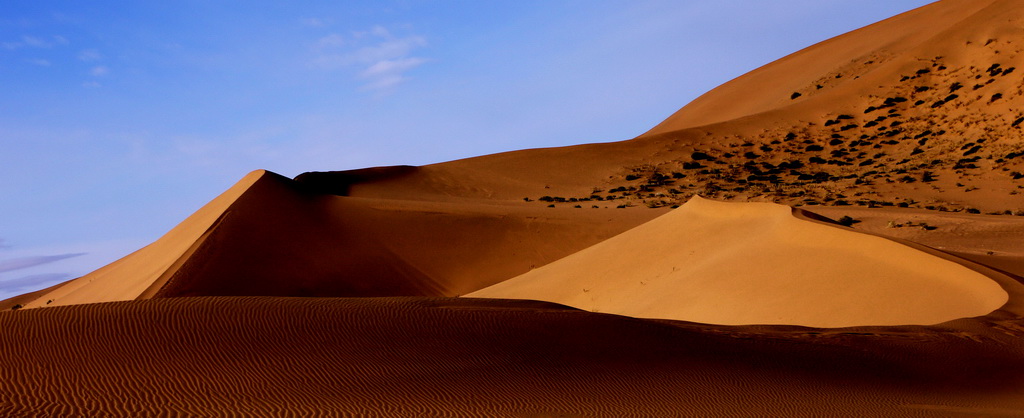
x: 444, y: 357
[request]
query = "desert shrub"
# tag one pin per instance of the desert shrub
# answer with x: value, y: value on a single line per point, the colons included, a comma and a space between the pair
x: 973, y: 210
x: 697, y: 156
x: 847, y: 221
x: 794, y: 95
x: 631, y: 177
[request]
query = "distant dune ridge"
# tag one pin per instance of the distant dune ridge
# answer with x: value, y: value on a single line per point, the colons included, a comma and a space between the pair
x: 688, y: 271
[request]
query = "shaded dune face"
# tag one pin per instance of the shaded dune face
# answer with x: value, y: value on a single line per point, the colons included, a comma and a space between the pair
x: 758, y: 263
x: 272, y: 236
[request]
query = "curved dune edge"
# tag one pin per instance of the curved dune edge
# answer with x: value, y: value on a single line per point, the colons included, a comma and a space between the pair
x: 757, y: 263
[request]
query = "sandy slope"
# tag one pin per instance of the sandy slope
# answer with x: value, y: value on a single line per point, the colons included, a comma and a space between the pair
x: 461, y: 357
x: 771, y: 87
x: 131, y: 276
x: 758, y: 263
x: 269, y: 235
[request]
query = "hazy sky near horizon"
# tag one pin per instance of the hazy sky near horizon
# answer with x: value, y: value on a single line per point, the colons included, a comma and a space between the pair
x: 118, y: 119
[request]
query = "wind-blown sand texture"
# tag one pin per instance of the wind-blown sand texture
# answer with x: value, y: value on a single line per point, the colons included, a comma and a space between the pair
x: 469, y: 357
x: 758, y: 263
x: 330, y: 293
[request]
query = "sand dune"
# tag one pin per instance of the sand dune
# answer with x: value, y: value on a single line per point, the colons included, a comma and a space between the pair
x: 758, y: 263
x: 132, y: 276
x: 912, y: 126
x: 416, y: 357
x: 892, y: 41
x: 272, y: 236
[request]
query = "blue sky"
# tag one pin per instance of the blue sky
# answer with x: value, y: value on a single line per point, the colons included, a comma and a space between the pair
x: 118, y: 119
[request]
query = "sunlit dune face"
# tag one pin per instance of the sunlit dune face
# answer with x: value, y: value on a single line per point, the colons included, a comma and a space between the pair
x: 757, y: 263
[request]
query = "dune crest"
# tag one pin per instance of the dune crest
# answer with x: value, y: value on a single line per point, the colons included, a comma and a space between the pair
x: 141, y: 272
x: 757, y: 263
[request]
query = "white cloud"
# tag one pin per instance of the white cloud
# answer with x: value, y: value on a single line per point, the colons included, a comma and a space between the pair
x: 32, y: 261
x: 389, y: 49
x: 39, y: 61
x: 384, y: 82
x: 380, y: 31
x: 89, y: 55
x: 35, y: 42
x: 330, y: 41
x: 99, y: 71
x: 9, y: 288
x: 316, y: 22
x: 391, y: 67
x: 91, y: 85
x: 382, y: 57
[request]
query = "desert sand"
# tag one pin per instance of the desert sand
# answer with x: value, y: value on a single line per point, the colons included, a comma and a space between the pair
x: 759, y: 263
x: 836, y: 233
